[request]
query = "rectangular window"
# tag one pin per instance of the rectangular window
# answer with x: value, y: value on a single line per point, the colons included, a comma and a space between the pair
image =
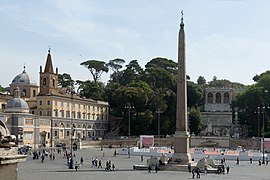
x: 40, y: 113
x: 29, y: 121
x: 56, y: 113
x: 48, y: 135
x: 73, y: 114
x: 67, y: 114
x: 55, y: 133
x: 62, y: 104
x: 89, y: 107
x: 62, y: 113
x: 40, y: 102
x: 48, y: 113
x: 48, y: 102
x: 79, y: 106
x: 98, y: 109
x: 84, y: 106
x: 28, y: 135
x: 84, y: 116
x: 67, y: 133
x: 68, y: 104
x: 79, y: 115
x: 93, y: 116
x: 55, y: 103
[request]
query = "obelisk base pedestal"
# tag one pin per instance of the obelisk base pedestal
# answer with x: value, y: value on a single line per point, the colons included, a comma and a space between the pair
x: 181, y: 148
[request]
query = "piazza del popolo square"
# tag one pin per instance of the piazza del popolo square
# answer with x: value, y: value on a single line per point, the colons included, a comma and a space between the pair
x: 50, y: 131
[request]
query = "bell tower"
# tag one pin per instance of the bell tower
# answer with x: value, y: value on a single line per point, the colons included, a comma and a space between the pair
x: 48, y: 79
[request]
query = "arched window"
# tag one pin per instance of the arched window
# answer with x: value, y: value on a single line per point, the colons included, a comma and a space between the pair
x: 44, y: 81
x: 226, y: 98
x: 210, y: 98
x: 218, y: 98
x: 34, y: 93
x: 24, y: 93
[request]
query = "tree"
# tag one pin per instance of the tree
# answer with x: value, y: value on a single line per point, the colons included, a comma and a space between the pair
x: 194, y: 94
x: 164, y: 63
x: 195, y: 121
x: 115, y: 66
x: 90, y: 89
x: 201, y: 81
x: 65, y: 80
x: 132, y: 72
x: 256, y: 78
x: 96, y: 68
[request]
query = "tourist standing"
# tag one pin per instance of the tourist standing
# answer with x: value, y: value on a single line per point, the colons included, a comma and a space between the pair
x: 228, y: 169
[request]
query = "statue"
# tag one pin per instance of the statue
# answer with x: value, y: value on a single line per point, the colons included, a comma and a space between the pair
x: 6, y: 140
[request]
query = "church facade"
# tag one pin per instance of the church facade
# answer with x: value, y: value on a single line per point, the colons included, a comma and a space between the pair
x: 53, y: 114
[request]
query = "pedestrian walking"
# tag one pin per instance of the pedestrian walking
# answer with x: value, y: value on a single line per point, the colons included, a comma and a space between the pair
x: 156, y: 168
x: 237, y: 160
x: 228, y: 169
x: 76, y: 166
x: 193, y: 173
x: 250, y: 160
x: 149, y: 169
x: 113, y: 167
x: 114, y: 154
x: 198, y: 173
x: 81, y: 160
x: 189, y: 167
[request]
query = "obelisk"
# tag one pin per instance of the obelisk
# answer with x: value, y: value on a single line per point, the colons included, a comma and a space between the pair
x: 181, y: 137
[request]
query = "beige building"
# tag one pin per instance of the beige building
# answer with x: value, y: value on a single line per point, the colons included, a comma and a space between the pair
x: 51, y: 113
x: 217, y: 115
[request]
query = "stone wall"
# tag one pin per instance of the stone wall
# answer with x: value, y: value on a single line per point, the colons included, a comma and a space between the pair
x: 196, y: 141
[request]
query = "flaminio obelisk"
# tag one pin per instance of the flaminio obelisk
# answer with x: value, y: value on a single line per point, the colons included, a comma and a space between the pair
x: 181, y: 137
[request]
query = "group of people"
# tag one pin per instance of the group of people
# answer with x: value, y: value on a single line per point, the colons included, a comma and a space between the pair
x: 42, y: 154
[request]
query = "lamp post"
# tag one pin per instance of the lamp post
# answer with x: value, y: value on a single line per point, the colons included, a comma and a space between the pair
x: 128, y: 106
x: 158, y: 111
x: 263, y: 136
x: 258, y: 111
x: 71, y: 129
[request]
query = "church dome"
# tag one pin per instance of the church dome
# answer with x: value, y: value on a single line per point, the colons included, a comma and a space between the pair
x: 17, y: 104
x: 23, y: 79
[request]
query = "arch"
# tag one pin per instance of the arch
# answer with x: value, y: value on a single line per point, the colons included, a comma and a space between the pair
x: 44, y: 81
x: 210, y: 97
x: 24, y: 92
x: 62, y: 125
x: 218, y: 97
x: 226, y: 98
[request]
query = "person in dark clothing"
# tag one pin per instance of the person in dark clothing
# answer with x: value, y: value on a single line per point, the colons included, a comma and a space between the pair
x: 81, y: 160
x: 198, y: 173
x: 189, y: 168
x: 149, y: 169
x: 156, y: 168
x: 228, y: 169
x: 193, y: 173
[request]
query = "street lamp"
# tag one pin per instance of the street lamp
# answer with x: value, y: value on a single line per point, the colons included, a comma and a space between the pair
x: 72, y: 92
x: 263, y: 112
x: 258, y: 111
x: 128, y: 106
x: 158, y: 111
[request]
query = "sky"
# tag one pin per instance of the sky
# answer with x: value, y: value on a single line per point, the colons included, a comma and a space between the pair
x: 228, y: 39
